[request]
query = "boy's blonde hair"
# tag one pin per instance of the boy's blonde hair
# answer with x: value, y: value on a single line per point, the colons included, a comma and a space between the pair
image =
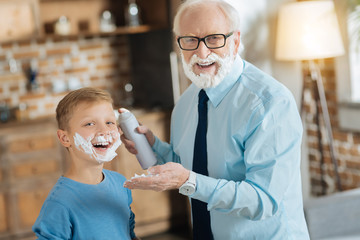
x: 66, y: 106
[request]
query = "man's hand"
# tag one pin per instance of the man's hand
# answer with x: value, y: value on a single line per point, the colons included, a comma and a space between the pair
x: 130, y: 145
x: 162, y: 177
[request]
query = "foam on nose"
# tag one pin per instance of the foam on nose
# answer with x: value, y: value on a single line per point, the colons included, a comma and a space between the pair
x: 100, y: 139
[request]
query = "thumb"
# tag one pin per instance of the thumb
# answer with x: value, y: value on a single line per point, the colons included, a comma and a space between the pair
x: 142, y: 129
x: 148, y: 134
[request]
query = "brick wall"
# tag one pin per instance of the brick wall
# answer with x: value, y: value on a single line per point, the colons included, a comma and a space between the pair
x: 347, y: 143
x: 62, y: 65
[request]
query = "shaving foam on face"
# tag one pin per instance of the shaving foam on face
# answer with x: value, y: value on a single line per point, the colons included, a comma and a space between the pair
x: 87, y: 147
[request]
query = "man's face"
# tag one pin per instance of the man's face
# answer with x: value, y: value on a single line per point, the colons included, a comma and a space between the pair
x: 205, y: 63
x: 93, y: 132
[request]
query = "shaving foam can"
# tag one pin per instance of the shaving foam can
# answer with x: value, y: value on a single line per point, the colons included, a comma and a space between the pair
x: 128, y: 125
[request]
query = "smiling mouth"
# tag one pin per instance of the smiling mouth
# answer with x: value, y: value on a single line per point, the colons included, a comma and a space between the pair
x: 102, y: 145
x: 205, y: 65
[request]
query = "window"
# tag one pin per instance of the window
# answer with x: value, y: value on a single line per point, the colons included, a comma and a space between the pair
x: 353, y: 23
x: 348, y: 66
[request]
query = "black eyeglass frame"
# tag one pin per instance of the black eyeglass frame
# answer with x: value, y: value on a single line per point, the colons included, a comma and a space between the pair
x: 203, y: 40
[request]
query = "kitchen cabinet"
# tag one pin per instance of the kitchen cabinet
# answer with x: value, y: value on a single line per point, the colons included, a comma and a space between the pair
x: 32, y: 159
x: 30, y: 164
x: 39, y: 18
x: 42, y: 16
x: 153, y: 15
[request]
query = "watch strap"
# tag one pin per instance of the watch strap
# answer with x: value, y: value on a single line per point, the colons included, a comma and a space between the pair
x: 192, y: 178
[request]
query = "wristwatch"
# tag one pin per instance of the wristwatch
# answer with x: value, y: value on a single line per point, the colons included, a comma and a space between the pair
x: 189, y: 186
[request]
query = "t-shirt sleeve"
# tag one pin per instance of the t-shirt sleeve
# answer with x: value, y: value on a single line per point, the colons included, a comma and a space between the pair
x: 53, y: 222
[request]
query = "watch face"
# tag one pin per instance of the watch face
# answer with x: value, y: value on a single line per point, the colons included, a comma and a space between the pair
x: 187, y: 189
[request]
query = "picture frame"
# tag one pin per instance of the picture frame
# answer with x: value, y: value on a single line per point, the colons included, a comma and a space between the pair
x: 19, y: 19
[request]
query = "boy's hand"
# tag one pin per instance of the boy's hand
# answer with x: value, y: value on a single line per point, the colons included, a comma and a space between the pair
x: 162, y: 177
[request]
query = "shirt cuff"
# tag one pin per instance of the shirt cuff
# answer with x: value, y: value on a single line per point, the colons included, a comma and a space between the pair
x: 205, y: 187
x: 160, y: 149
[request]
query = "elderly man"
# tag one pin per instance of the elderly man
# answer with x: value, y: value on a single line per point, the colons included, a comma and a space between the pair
x: 235, y: 136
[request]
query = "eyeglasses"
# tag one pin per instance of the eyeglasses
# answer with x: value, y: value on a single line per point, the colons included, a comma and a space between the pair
x: 212, y: 41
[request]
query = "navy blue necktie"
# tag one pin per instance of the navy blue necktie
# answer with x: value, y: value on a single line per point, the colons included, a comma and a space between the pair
x: 200, y: 214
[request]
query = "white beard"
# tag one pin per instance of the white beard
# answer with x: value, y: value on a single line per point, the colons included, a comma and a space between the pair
x: 209, y: 80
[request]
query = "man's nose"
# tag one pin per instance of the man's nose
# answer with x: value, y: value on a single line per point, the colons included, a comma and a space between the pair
x: 202, y: 51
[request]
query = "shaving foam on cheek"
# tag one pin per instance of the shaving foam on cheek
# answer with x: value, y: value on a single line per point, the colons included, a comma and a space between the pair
x: 87, y: 147
x: 82, y: 144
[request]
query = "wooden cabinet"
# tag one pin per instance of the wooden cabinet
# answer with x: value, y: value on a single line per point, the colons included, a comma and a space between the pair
x: 31, y: 162
x: 38, y: 17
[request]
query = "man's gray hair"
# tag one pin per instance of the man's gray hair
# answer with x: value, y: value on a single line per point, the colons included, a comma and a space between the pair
x: 230, y: 13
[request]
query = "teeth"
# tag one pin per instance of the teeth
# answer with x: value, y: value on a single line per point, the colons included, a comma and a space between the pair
x: 102, y: 143
x: 205, y: 64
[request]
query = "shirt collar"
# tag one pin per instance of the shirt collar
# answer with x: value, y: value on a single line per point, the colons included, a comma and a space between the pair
x: 217, y: 94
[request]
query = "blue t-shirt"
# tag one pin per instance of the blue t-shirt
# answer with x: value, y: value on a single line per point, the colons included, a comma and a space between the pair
x: 76, y: 210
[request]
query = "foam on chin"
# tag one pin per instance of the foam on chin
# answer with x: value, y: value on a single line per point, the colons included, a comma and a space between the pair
x: 209, y: 80
x: 86, y: 146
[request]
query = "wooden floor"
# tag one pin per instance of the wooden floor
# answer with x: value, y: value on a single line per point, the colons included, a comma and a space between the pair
x: 166, y: 236
x: 183, y: 235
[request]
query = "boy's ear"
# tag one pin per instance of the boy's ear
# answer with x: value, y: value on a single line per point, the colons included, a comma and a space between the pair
x: 63, y: 137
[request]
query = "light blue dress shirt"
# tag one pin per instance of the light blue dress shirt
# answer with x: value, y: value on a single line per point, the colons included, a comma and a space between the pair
x: 253, y: 190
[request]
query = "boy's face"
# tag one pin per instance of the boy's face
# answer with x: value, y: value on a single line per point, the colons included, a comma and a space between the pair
x: 92, y: 132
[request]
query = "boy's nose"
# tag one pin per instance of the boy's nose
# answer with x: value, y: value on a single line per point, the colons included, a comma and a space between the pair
x: 103, y: 129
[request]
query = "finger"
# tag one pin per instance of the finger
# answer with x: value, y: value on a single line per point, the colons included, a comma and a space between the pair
x: 119, y: 130
x: 140, y: 187
x: 145, y: 183
x: 121, y: 110
x: 126, y: 141
x: 142, y: 129
x: 129, y: 145
x: 148, y: 134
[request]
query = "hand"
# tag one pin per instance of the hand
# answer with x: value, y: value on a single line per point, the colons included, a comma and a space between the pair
x: 162, y: 177
x: 130, y: 145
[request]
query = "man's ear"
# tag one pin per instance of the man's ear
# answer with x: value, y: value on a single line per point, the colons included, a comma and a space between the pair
x: 63, y: 137
x: 237, y: 41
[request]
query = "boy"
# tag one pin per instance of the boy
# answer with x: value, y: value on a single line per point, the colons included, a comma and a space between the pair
x: 88, y: 202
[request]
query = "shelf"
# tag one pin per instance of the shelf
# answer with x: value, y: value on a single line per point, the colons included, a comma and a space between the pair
x: 118, y: 31
x: 154, y: 15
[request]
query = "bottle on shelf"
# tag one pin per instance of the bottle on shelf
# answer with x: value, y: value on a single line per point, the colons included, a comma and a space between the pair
x: 132, y: 14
